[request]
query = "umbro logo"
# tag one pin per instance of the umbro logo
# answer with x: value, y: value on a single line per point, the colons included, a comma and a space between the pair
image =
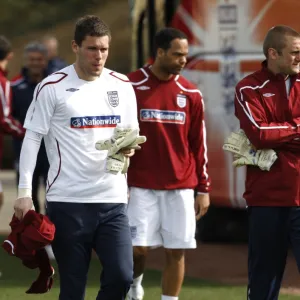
x: 268, y: 95
x: 143, y: 88
x: 72, y: 90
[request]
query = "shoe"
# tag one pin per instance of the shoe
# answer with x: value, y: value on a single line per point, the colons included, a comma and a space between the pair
x: 136, y: 293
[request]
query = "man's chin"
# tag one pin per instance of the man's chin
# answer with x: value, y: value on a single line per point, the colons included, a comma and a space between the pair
x: 294, y: 70
x: 97, y: 73
x: 176, y: 72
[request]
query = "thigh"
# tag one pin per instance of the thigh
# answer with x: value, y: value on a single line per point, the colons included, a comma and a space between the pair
x: 268, y: 230
x: 144, y: 217
x: 268, y: 245
x: 72, y: 246
x: 112, y: 243
x: 178, y: 223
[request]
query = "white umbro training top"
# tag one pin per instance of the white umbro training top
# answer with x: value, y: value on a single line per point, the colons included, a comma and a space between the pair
x: 73, y: 115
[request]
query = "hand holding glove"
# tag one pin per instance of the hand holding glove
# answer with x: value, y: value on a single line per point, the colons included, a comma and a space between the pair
x: 123, y: 138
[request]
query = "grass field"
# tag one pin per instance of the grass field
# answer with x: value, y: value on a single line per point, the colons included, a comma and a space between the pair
x: 16, y: 279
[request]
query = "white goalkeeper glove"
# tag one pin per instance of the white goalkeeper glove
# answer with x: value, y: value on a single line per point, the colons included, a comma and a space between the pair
x: 117, y: 163
x: 246, y: 154
x: 266, y: 159
x: 123, y: 138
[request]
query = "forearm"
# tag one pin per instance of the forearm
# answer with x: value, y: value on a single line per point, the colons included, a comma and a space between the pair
x: 267, y: 136
x: 263, y: 131
x: 28, y: 157
x: 198, y: 144
x: 292, y: 146
x: 200, y: 153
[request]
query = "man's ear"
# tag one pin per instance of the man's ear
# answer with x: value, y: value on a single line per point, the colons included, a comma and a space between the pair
x: 272, y: 53
x: 74, y: 46
x: 160, y: 52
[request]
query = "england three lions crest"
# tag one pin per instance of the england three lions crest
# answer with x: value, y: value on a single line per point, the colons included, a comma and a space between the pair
x: 181, y: 100
x: 113, y: 98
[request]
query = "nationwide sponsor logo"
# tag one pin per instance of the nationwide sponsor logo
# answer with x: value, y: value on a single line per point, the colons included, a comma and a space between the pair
x: 162, y: 116
x: 95, y: 122
x: 268, y: 95
x: 181, y: 100
x: 143, y: 88
x: 113, y: 98
x: 72, y: 90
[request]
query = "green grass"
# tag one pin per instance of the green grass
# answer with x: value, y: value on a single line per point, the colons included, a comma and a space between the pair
x: 16, y: 279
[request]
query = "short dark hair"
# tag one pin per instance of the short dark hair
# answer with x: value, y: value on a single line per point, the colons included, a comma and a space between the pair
x: 276, y: 38
x: 5, y: 47
x: 165, y: 36
x: 90, y: 25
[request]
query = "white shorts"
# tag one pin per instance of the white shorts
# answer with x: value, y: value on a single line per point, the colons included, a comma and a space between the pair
x: 1, y: 188
x: 162, y: 218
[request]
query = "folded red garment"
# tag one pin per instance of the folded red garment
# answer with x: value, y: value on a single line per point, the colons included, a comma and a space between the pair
x: 27, y: 241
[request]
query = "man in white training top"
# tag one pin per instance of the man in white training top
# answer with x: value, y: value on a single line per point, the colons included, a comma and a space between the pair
x: 72, y: 109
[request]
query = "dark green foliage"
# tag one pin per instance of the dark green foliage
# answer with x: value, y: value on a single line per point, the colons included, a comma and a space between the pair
x: 18, y: 17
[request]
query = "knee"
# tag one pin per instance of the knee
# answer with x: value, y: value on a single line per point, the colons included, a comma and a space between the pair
x: 125, y: 277
x: 117, y: 286
x: 174, y: 255
x: 140, y: 252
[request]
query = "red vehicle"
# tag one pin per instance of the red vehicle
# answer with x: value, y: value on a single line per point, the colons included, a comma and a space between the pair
x: 225, y: 38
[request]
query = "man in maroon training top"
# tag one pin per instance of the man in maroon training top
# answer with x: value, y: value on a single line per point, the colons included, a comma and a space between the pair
x: 172, y: 164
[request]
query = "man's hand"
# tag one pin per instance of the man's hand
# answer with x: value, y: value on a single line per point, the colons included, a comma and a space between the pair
x: 202, y: 203
x: 121, y: 146
x: 266, y: 159
x: 22, y: 206
x: 128, y: 152
x: 246, y: 154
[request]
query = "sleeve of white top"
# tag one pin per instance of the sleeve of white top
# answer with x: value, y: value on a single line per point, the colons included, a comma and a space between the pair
x: 41, y: 109
x: 29, y: 152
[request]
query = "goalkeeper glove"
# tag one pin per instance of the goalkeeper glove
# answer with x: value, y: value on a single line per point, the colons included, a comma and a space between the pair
x: 122, y: 138
x: 117, y: 163
x: 246, y: 154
